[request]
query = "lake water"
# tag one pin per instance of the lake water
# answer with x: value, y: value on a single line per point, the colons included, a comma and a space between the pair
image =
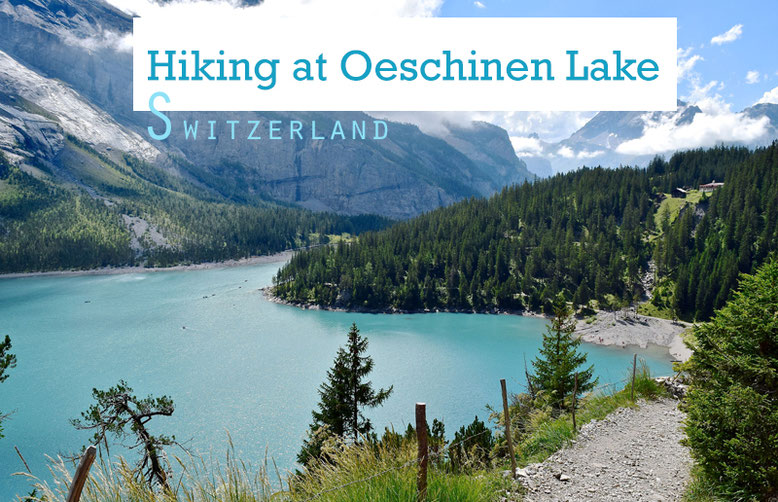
x: 242, y: 364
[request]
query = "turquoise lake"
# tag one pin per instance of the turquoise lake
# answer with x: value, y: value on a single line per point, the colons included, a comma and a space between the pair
x: 242, y: 364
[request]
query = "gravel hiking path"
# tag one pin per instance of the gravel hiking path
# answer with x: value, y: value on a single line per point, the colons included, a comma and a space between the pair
x: 634, y: 454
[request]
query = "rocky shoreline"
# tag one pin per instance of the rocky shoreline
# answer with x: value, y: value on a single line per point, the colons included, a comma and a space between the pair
x: 620, y: 328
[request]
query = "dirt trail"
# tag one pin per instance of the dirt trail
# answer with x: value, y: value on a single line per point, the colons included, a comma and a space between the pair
x: 633, y: 454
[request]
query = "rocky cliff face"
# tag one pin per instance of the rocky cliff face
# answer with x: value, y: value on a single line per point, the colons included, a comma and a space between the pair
x: 489, y: 147
x: 400, y: 176
x: 69, y: 58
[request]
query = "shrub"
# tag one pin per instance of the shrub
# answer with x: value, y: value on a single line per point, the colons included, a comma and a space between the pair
x: 732, y: 424
x: 471, y: 448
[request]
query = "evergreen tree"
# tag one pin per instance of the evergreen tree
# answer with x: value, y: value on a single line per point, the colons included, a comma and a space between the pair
x: 591, y: 232
x: 473, y: 446
x: 7, y: 361
x: 343, y: 397
x: 732, y: 424
x: 120, y: 413
x: 559, y: 360
x: 45, y: 226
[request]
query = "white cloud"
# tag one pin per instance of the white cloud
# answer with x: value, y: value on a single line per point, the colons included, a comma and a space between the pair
x: 568, y: 153
x: 715, y: 125
x: 525, y: 146
x: 585, y: 154
x: 550, y: 126
x: 703, y: 96
x: 294, y: 8
x: 752, y: 77
x: 478, y: 4
x: 730, y: 35
x: 706, y: 130
x: 107, y: 39
x: 686, y: 62
x: 278, y: 8
x: 770, y: 96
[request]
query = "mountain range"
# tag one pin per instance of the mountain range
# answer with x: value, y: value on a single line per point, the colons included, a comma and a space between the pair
x: 88, y: 166
x: 65, y: 70
x: 597, y: 142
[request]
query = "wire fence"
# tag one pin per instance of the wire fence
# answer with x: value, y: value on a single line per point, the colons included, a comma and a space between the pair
x: 431, y: 456
x: 441, y: 452
x: 363, y: 480
x: 424, y: 453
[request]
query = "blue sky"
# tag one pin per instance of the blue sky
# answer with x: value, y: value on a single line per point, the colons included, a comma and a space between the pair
x: 726, y: 52
x: 754, y: 50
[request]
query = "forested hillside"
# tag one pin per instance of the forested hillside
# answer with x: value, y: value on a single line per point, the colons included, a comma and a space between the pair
x: 131, y: 213
x: 704, y: 255
x: 590, y: 234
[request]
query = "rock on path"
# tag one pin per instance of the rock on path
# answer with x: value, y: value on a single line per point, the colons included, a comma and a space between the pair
x: 632, y: 454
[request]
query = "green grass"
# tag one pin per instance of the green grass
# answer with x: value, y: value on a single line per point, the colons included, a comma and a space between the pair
x: 699, y: 488
x: 360, y: 473
x: 674, y: 206
x: 398, y: 484
x: 332, y: 238
x: 92, y: 169
x: 365, y: 472
x: 651, y: 310
x: 661, y: 302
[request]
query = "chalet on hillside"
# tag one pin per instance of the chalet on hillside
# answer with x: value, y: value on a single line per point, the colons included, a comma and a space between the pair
x: 679, y: 193
x: 709, y: 187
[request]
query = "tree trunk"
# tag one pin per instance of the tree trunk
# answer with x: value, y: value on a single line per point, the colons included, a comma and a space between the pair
x: 156, y: 470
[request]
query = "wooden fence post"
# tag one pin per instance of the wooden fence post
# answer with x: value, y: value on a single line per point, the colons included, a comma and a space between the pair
x: 82, y: 472
x: 575, y: 396
x: 423, y: 452
x: 507, y: 418
x: 634, y: 368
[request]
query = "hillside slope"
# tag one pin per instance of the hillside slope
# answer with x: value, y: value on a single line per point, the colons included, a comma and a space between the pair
x: 590, y: 234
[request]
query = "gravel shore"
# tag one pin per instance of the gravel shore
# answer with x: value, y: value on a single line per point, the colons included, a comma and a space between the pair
x: 623, y: 329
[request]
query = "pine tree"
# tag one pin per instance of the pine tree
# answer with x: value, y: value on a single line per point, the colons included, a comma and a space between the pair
x: 7, y: 361
x: 732, y: 403
x: 559, y: 360
x: 343, y: 397
x: 119, y: 413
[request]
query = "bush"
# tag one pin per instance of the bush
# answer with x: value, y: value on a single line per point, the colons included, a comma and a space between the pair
x: 472, y: 447
x: 732, y: 424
